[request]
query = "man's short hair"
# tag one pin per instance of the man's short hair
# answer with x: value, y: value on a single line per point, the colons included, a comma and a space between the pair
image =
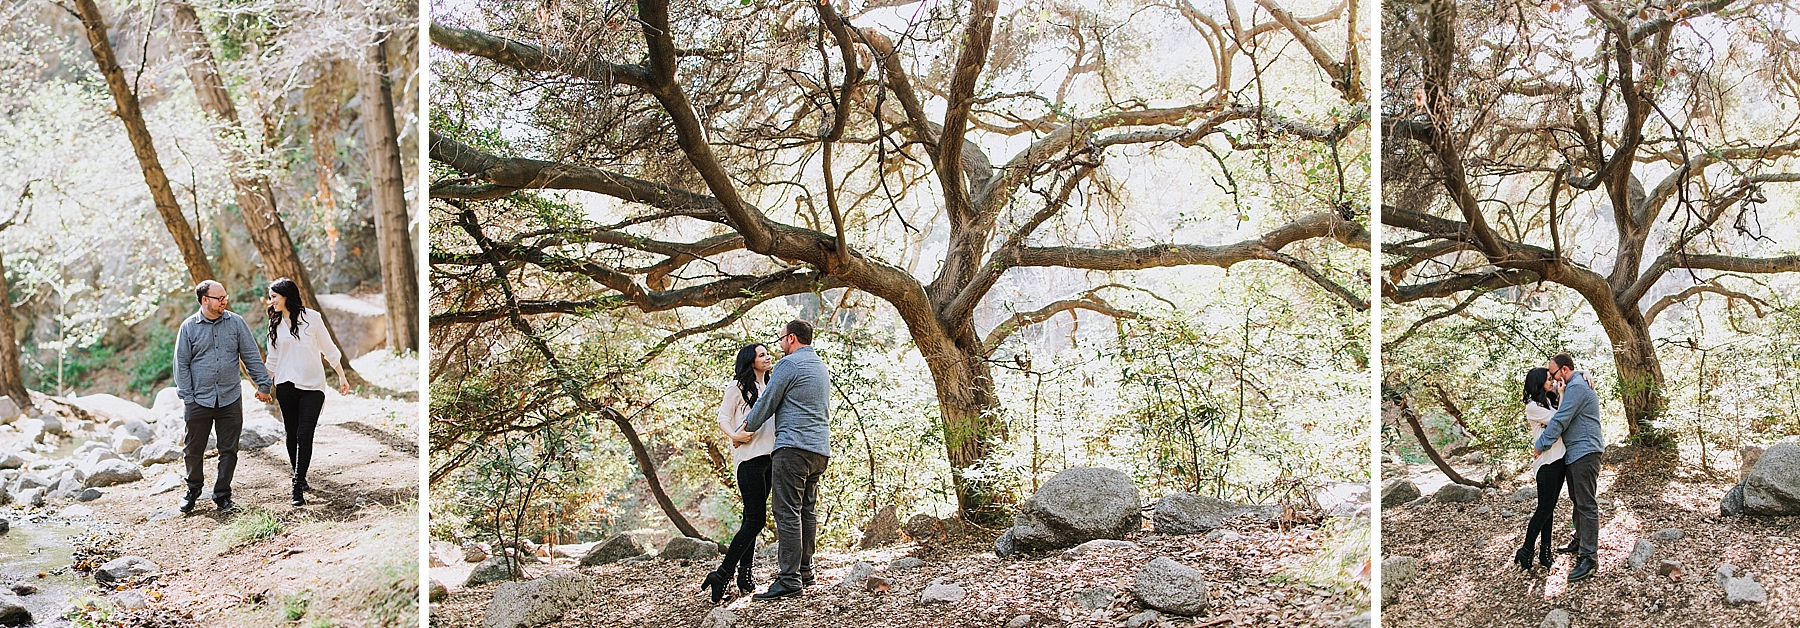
x: 801, y: 331
x: 204, y: 287
x: 1563, y: 359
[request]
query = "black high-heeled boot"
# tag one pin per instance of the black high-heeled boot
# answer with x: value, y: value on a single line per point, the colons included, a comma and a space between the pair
x: 1523, y: 558
x: 1546, y: 553
x: 299, y: 499
x: 744, y: 582
x: 715, y: 580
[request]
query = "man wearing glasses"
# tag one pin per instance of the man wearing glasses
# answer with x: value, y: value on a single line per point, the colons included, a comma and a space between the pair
x: 798, y: 398
x: 208, y: 349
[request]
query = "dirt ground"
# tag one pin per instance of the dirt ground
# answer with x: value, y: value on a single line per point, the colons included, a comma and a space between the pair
x: 1254, y: 581
x: 355, y: 538
x: 1466, y: 577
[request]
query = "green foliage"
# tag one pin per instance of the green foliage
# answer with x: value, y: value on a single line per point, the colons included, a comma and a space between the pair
x: 293, y: 605
x: 154, y: 363
x: 248, y: 525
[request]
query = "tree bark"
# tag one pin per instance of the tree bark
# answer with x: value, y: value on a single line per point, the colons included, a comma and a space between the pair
x: 969, y: 409
x: 256, y: 201
x: 199, y: 269
x: 1640, y: 374
x: 12, y: 376
x: 399, y: 277
x: 1412, y: 419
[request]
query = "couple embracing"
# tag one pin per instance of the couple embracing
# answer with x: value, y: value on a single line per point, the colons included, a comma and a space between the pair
x: 1564, y: 414
x: 777, y: 417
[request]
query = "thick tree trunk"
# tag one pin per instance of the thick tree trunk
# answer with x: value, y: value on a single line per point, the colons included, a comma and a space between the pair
x: 254, y: 198
x: 12, y: 376
x: 127, y: 103
x: 399, y: 277
x: 1640, y: 373
x: 969, y: 408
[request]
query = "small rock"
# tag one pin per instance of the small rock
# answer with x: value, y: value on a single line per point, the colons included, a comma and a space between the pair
x: 1668, y: 567
x: 1398, y: 491
x: 908, y: 562
x: 472, y: 553
x: 617, y: 548
x: 1745, y: 590
x: 536, y: 602
x: 168, y: 482
x: 878, y: 584
x: 1396, y: 573
x: 689, y: 548
x: 923, y: 526
x: 942, y: 594
x: 13, y: 611
x: 1226, y: 536
x: 1640, y: 554
x: 1169, y: 586
x: 1482, y: 510
x: 858, y: 572
x: 1019, y: 621
x: 112, y: 472
x: 260, y: 433
x: 129, y: 600
x: 24, y: 588
x: 1003, y: 546
x: 719, y: 618
x: 76, y: 511
x: 1362, y: 620
x: 1726, y: 571
x: 496, y: 568
x: 88, y: 495
x: 124, y: 568
x: 1097, y: 544
x: 1094, y: 598
x: 1457, y: 493
x: 1558, y: 618
x: 438, y: 592
x: 1140, y: 620
x: 1524, y: 494
x: 1667, y: 535
x: 10, y: 460
x: 159, y: 452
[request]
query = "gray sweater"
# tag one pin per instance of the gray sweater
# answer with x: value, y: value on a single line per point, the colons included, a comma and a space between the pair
x: 1577, y: 421
x: 798, y: 397
x: 207, y: 352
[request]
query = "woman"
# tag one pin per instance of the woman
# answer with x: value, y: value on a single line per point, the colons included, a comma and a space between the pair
x: 750, y: 451
x: 299, y: 379
x: 1540, y: 405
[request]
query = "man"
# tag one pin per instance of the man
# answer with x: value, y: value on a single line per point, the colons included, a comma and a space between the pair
x: 797, y: 396
x: 1577, y: 423
x: 208, y: 349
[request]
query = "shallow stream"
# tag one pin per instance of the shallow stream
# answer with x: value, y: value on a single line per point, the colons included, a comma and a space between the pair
x: 39, y: 553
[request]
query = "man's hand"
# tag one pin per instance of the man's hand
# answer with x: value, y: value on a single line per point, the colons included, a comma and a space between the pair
x: 262, y: 396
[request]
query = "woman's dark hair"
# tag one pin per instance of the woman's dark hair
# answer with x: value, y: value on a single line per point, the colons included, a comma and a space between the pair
x: 1534, y: 388
x: 295, y: 314
x: 745, y: 376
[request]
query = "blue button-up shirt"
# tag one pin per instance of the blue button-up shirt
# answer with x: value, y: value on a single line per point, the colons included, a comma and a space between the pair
x: 1577, y: 421
x: 798, y: 397
x: 207, y: 353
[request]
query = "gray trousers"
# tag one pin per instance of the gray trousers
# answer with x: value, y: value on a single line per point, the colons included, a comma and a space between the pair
x: 228, y: 422
x: 1584, y: 478
x: 796, y: 473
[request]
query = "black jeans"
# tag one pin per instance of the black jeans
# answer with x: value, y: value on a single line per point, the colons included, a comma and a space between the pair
x: 796, y: 473
x: 228, y: 422
x: 1584, y: 479
x: 1549, y: 486
x: 753, y: 486
x: 300, y: 418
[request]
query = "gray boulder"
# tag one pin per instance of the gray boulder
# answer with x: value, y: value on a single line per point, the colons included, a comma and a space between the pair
x: 908, y: 562
x: 940, y: 593
x: 1188, y: 513
x: 9, y: 410
x: 10, y: 460
x: 1003, y: 546
x: 923, y: 526
x: 1076, y: 505
x: 1667, y: 535
x: 1772, y: 488
x: 1733, y: 503
x: 1457, y: 493
x: 12, y: 610
x: 159, y: 452
x: 1398, y: 491
x: 689, y: 548
x: 1171, y: 587
x: 1745, y: 590
x: 1640, y: 554
x: 1557, y: 618
x: 617, y: 548
x: 260, y: 433
x: 496, y: 568
x: 1525, y: 493
x: 1094, y: 598
x: 858, y: 573
x: 124, y: 568
x: 112, y: 472
x: 1396, y: 573
x: 536, y: 602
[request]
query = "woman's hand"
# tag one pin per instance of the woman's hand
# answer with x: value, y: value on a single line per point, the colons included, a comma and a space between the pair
x: 741, y: 437
x: 343, y: 385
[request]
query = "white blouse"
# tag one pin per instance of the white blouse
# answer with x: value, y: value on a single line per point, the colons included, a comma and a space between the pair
x: 296, y: 360
x: 1539, y: 418
x: 732, y: 411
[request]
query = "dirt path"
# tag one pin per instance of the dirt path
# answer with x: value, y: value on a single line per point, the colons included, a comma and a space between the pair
x: 1466, y: 578
x: 355, y: 539
x: 1255, y: 580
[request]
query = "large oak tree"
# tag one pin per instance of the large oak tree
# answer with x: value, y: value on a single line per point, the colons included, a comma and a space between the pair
x: 1619, y: 150
x: 915, y: 153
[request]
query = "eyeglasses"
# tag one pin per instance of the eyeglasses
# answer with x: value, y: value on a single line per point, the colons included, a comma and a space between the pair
x: 782, y: 337
x: 221, y: 298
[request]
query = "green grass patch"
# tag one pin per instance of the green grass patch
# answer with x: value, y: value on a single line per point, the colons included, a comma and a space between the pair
x: 153, y: 365
x: 248, y: 525
x: 293, y: 606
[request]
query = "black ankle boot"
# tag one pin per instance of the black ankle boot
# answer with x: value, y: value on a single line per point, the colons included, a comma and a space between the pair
x: 299, y: 498
x: 744, y: 582
x: 715, y: 580
x: 1546, y: 554
x: 1523, y: 558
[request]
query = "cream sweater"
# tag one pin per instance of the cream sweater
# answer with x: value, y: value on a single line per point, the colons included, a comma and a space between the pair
x: 1539, y: 418
x: 296, y: 360
x: 732, y: 411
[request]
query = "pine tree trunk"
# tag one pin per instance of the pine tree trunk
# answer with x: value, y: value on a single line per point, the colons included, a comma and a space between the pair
x: 12, y: 376
x: 128, y: 110
x: 254, y: 198
x: 399, y: 277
